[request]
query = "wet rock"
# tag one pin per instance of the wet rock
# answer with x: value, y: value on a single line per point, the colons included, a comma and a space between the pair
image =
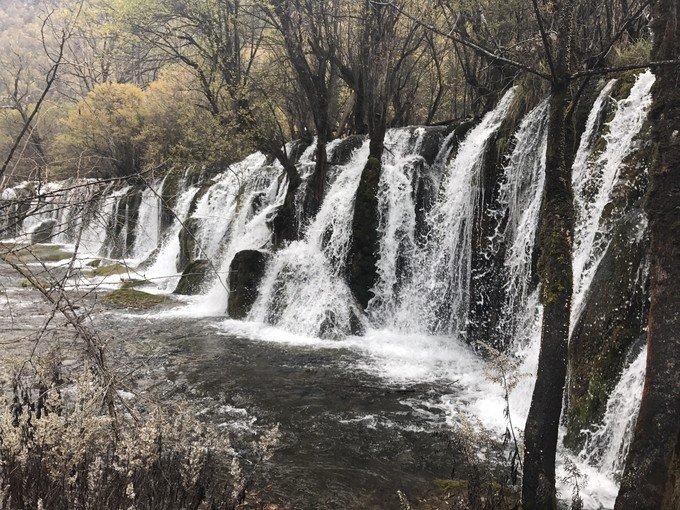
x: 193, y: 278
x: 344, y: 149
x: 187, y: 242
x: 245, y: 273
x: 612, y: 321
x: 43, y: 232
x: 297, y: 148
x: 432, y: 141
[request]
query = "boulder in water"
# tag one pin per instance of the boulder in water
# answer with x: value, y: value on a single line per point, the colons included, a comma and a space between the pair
x: 193, y: 278
x: 43, y: 232
x: 245, y: 273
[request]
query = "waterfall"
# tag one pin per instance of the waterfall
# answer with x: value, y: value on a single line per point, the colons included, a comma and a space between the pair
x: 147, y: 229
x: 97, y: 227
x: 243, y: 202
x: 397, y: 218
x: 163, y: 271
x: 435, y: 298
x: 607, y: 445
x: 594, y: 183
x: 303, y: 289
x: 520, y: 197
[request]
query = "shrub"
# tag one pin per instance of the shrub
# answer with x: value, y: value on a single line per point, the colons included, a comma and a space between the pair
x: 58, y: 450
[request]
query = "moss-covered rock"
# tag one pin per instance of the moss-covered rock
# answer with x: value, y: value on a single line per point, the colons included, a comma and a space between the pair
x: 612, y: 321
x: 109, y: 270
x: 193, y: 278
x: 187, y: 242
x: 245, y: 273
x: 133, y: 299
x: 614, y: 315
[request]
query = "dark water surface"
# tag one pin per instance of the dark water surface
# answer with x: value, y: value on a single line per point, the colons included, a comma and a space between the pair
x: 349, y: 440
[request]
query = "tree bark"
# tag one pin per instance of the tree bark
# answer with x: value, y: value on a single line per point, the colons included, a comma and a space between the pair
x: 555, y: 270
x: 556, y: 278
x: 651, y: 479
x: 285, y: 225
x: 363, y: 256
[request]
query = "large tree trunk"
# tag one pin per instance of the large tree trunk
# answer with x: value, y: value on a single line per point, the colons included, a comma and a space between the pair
x: 363, y: 256
x: 317, y: 181
x: 555, y: 269
x: 285, y: 224
x: 556, y: 278
x: 651, y: 479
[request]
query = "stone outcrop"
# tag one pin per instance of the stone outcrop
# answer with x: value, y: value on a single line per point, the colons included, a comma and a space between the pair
x: 187, y: 242
x: 245, y: 273
x: 43, y: 232
x: 193, y: 278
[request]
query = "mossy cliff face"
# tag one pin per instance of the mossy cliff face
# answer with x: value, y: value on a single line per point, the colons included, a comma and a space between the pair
x: 610, y: 329
x: 486, y: 287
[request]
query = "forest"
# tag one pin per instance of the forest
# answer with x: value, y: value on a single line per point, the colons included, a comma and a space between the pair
x: 282, y: 254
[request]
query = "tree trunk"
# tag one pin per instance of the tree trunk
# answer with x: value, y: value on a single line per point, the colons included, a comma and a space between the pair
x: 651, y: 479
x: 363, y: 256
x: 285, y: 225
x: 555, y: 270
x: 317, y: 182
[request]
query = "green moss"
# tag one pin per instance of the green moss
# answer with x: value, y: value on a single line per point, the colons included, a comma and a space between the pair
x: 133, y: 282
x: 109, y: 270
x: 41, y: 252
x: 134, y: 299
x: 453, y: 486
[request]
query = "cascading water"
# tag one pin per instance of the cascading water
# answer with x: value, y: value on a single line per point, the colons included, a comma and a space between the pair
x: 147, y: 229
x: 397, y: 219
x: 520, y: 197
x: 251, y: 198
x: 607, y: 445
x: 423, y: 285
x: 303, y: 289
x: 435, y: 298
x: 97, y: 227
x: 163, y: 271
x: 594, y: 183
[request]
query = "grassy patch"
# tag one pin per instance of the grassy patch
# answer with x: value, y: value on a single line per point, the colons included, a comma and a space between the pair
x: 134, y: 299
